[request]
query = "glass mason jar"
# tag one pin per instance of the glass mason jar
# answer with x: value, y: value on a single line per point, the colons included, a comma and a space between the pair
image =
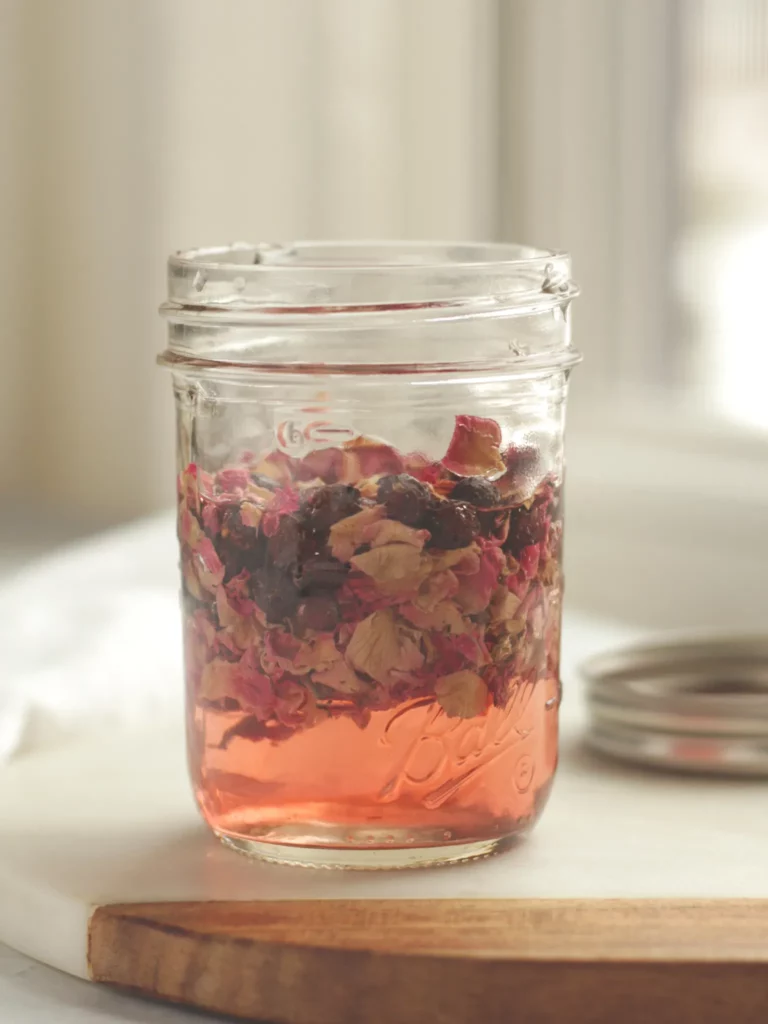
x: 370, y: 443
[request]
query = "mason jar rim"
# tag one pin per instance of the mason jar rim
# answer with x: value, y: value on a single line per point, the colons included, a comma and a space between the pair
x: 338, y: 277
x: 260, y: 256
x: 356, y: 288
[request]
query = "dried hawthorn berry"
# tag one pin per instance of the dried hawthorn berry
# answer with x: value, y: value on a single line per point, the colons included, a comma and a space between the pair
x: 452, y: 524
x: 327, y: 505
x: 284, y: 544
x: 238, y: 546
x: 274, y: 591
x: 522, y: 462
x: 526, y: 526
x: 320, y: 612
x: 320, y: 574
x: 477, y: 491
x: 405, y: 498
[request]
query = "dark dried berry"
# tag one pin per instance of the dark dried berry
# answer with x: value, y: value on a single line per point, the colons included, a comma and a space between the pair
x: 233, y: 531
x: 327, y: 505
x: 522, y: 462
x: 477, y: 491
x: 274, y: 591
x: 405, y: 498
x: 494, y: 523
x: 526, y: 526
x: 320, y: 612
x: 452, y: 524
x: 320, y: 574
x: 238, y: 546
x: 284, y: 543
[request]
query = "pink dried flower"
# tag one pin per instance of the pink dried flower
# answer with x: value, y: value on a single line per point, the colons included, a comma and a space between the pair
x: 475, y: 590
x: 371, y: 458
x: 284, y: 502
x: 280, y: 467
x: 462, y: 694
x: 326, y: 464
x: 380, y: 645
x: 444, y: 615
x: 417, y: 464
x: 211, y: 518
x: 348, y: 534
x: 394, y: 568
x: 232, y: 480
x: 474, y: 448
x: 210, y: 570
x: 438, y: 587
x: 529, y: 560
x: 295, y: 705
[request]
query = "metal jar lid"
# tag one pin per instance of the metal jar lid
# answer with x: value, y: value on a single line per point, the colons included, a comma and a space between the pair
x: 697, y: 704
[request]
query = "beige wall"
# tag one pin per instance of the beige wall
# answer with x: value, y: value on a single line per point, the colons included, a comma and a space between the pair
x: 134, y: 128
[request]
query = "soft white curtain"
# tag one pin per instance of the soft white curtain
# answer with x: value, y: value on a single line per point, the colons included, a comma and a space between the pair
x: 134, y: 127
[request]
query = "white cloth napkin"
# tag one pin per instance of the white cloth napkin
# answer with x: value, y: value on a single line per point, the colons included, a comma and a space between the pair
x: 92, y: 637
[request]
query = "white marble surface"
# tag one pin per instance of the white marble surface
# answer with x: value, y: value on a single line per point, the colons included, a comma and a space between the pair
x: 32, y: 993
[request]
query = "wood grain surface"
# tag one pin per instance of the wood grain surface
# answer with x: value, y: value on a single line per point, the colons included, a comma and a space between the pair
x: 444, y: 961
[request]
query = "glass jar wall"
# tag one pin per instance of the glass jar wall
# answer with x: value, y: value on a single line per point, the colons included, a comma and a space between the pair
x: 370, y: 445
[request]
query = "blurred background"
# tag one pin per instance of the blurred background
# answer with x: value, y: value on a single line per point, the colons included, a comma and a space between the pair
x: 633, y: 133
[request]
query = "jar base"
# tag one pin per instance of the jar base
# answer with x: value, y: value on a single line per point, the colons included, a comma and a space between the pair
x: 396, y: 852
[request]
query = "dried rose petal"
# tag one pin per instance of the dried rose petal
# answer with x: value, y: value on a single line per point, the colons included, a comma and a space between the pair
x: 445, y: 615
x: 207, y: 565
x: 229, y: 481
x: 529, y: 560
x: 253, y: 689
x: 475, y: 589
x: 395, y: 568
x: 437, y: 587
x: 417, y: 464
x: 504, y: 605
x: 463, y: 561
x: 371, y: 458
x: 285, y: 501
x: 389, y: 531
x: 218, y: 680
x: 189, y: 530
x: 278, y: 466
x: 295, y: 705
x: 284, y: 652
x: 462, y: 694
x: 349, y: 534
x: 474, y: 448
x: 380, y: 644
x: 251, y: 514
x: 326, y: 464
x: 340, y: 677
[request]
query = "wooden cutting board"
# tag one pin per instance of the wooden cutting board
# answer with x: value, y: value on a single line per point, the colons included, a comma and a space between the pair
x: 413, y: 961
